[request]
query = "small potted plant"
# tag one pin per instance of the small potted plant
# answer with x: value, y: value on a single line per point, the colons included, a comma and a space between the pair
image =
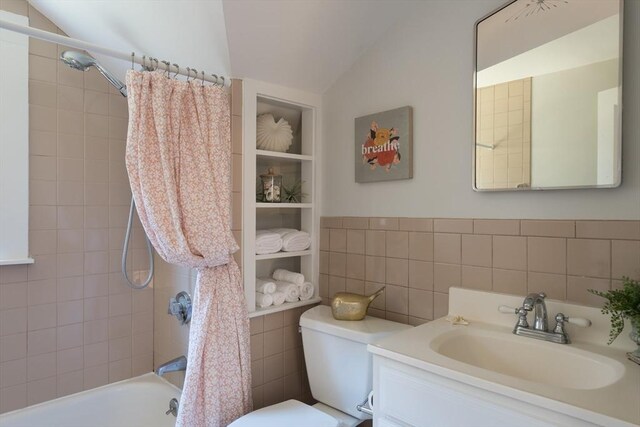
x: 623, y: 304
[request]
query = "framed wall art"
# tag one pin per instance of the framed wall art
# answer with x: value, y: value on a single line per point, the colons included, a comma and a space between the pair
x: 384, y: 146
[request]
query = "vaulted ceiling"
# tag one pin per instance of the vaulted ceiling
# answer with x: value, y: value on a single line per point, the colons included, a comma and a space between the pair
x: 304, y: 44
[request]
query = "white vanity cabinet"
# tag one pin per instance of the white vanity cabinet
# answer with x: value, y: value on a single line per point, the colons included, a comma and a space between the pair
x: 479, y: 373
x: 407, y: 396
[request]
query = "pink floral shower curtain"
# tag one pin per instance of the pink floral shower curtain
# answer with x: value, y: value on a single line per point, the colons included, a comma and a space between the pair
x: 178, y: 160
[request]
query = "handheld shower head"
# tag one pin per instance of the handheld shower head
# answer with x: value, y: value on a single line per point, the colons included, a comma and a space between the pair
x: 80, y: 61
x: 77, y: 60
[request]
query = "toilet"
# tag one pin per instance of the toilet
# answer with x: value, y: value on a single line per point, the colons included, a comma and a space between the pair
x: 339, y: 369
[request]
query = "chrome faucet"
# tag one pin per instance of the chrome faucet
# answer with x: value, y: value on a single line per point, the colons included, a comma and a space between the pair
x: 177, y: 364
x: 535, y: 302
x: 540, y: 330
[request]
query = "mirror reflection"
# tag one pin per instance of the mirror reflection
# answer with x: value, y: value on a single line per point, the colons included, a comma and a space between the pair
x: 548, y: 95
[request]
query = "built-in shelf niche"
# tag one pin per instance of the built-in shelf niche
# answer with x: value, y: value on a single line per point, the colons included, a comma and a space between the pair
x: 301, y: 110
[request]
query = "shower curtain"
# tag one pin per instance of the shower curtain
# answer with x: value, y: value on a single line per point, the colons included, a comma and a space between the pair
x: 178, y: 160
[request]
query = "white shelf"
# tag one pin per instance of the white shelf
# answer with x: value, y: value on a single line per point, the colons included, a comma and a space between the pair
x: 284, y: 205
x: 283, y: 307
x: 283, y: 156
x: 302, y: 109
x: 16, y: 261
x: 283, y: 255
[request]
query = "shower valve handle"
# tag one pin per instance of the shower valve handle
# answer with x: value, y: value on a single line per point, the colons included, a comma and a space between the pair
x: 180, y: 307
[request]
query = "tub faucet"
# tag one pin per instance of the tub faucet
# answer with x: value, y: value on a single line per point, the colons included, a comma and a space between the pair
x: 177, y: 364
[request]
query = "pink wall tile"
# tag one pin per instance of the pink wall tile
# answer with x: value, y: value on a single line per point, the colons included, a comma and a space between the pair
x: 13, y: 347
x: 447, y: 248
x: 453, y: 225
x: 588, y: 257
x: 477, y: 250
x: 42, y: 341
x: 547, y: 255
x: 55, y: 313
x: 547, y: 228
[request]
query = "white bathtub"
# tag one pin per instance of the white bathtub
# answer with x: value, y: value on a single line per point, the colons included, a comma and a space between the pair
x: 138, y: 402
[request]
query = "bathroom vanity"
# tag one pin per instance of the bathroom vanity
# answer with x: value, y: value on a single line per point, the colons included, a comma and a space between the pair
x: 481, y: 374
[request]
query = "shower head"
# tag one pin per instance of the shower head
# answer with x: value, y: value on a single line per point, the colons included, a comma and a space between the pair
x: 80, y: 61
x: 77, y: 60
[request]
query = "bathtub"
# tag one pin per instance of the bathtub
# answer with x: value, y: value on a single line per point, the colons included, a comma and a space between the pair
x: 137, y: 402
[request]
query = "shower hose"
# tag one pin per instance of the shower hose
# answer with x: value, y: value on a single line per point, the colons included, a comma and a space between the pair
x: 125, y: 252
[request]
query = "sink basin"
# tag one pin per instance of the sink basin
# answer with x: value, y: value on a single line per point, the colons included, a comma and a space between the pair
x: 528, y: 359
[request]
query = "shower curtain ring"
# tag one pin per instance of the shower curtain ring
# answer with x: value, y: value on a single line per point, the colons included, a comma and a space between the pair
x: 222, y: 77
x: 202, y: 74
x: 195, y: 72
x: 144, y: 60
x: 133, y: 55
x: 175, y: 76
x: 188, y: 73
x: 168, y: 65
x: 157, y: 64
x: 215, y: 77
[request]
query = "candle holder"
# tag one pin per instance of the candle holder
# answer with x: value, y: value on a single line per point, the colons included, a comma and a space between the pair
x: 271, y: 187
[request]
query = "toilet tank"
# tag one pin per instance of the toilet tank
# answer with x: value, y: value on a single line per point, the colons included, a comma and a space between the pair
x: 338, y: 364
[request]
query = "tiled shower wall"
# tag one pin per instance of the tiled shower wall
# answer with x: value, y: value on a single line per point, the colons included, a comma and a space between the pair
x: 503, y: 120
x: 68, y: 322
x: 418, y: 259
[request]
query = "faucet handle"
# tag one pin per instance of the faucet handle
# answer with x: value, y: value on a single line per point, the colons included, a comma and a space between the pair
x: 508, y: 310
x: 578, y: 321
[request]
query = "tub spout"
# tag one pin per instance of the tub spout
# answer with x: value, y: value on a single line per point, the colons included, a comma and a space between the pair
x: 177, y: 364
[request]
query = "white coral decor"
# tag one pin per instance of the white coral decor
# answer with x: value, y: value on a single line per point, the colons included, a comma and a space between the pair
x: 272, y: 135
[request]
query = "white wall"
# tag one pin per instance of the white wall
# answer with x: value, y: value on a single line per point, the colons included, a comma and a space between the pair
x: 564, y: 124
x: 427, y: 62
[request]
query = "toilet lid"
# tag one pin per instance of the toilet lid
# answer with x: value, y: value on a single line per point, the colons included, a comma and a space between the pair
x: 286, y: 414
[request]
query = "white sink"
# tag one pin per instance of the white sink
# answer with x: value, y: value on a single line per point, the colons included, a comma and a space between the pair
x: 586, y: 380
x: 529, y: 359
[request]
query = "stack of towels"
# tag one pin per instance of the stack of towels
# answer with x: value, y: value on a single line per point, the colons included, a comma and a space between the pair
x: 283, y: 286
x: 285, y: 239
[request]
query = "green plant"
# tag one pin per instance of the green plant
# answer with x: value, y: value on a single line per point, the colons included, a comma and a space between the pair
x: 621, y: 304
x: 292, y: 193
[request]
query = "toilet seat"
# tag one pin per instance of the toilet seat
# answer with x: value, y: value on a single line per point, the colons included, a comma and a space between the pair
x: 286, y: 414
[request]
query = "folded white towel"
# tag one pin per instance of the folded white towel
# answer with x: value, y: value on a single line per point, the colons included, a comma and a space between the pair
x: 296, y: 241
x: 283, y: 231
x: 288, y: 276
x: 267, y: 242
x: 265, y: 285
x: 263, y: 300
x: 290, y: 290
x: 278, y: 298
x: 306, y: 291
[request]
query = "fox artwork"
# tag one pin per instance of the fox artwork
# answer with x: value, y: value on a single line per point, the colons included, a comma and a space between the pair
x: 384, y: 146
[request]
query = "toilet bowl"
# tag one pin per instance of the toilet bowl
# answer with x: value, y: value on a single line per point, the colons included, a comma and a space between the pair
x: 339, y: 369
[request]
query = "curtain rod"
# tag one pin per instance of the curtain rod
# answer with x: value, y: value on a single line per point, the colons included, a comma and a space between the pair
x: 80, y: 44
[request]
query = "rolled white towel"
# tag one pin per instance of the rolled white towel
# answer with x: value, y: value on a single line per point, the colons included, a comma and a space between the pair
x: 306, y: 291
x: 290, y: 290
x: 263, y: 300
x: 296, y: 241
x: 288, y: 276
x: 267, y: 242
x: 278, y: 298
x: 265, y: 285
